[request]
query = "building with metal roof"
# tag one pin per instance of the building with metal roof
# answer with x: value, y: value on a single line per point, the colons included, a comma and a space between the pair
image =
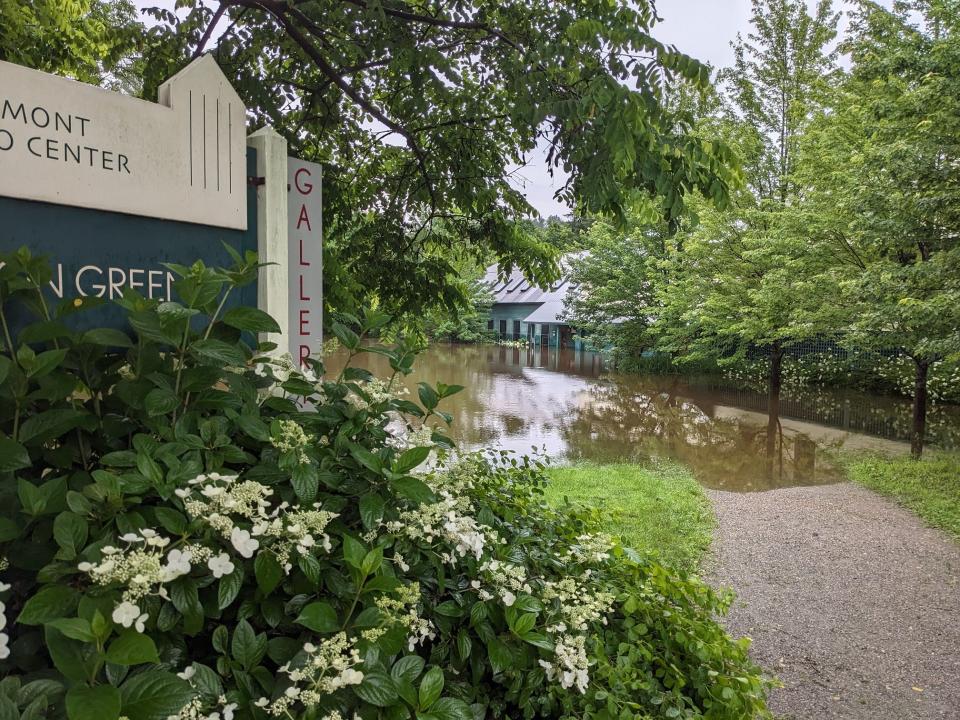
x: 524, y: 311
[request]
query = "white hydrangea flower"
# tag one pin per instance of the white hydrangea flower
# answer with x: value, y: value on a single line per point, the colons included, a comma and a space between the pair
x: 4, y: 646
x: 178, y: 564
x: 126, y: 614
x: 220, y: 565
x: 243, y: 543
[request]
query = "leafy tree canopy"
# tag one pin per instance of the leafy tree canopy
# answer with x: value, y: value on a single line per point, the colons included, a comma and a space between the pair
x: 90, y: 40
x: 881, y: 178
x: 423, y: 110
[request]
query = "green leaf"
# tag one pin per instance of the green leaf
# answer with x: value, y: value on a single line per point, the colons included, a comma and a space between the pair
x: 171, y: 520
x: 13, y: 455
x: 70, y: 532
x: 372, y: 561
x: 251, y: 319
x: 413, y: 489
x: 524, y: 624
x: 8, y: 530
x: 51, y: 424
x: 319, y: 617
x: 347, y: 337
x: 449, y: 608
x: 353, y: 551
x: 372, y: 507
x: 160, y: 401
x: 464, y: 644
x: 431, y: 687
x: 229, y: 587
x: 46, y: 362
x: 428, y: 396
x: 74, y: 628
x: 410, y: 459
x: 247, y: 647
x: 377, y: 689
x: 268, y: 572
x: 154, y: 695
x: 108, y: 337
x: 67, y: 655
x: 539, y: 640
x: 369, y: 617
x: 305, y: 481
x: 93, y: 703
x: 501, y: 657
x: 219, y: 352
x: 132, y: 648
x: 50, y: 603
x: 407, y: 668
x: 449, y: 708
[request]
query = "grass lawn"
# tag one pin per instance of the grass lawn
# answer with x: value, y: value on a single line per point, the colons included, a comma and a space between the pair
x: 930, y: 487
x: 658, y: 507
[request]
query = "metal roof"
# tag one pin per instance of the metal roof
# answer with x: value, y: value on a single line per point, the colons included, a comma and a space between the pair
x: 517, y: 289
x: 549, y: 312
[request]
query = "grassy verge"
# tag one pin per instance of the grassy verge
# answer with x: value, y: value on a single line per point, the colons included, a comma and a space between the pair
x: 658, y: 507
x: 930, y: 487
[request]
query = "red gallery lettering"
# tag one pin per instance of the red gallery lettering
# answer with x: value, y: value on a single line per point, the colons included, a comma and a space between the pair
x: 304, y: 188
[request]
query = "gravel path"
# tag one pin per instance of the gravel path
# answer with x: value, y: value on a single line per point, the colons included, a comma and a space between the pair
x: 849, y: 599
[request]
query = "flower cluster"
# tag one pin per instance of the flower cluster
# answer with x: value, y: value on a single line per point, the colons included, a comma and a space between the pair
x: 577, y: 604
x: 293, y: 439
x: 571, y: 667
x: 589, y: 548
x: 373, y: 392
x: 394, y: 610
x: 142, y: 570
x: 220, y: 500
x: 318, y: 671
x: 196, y: 709
x: 448, y: 521
x: 506, y: 578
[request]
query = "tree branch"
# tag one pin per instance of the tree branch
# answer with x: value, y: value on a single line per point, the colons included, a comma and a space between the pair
x: 209, y: 31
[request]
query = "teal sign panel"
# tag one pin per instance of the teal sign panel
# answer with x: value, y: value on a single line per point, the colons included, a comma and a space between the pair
x: 98, y: 253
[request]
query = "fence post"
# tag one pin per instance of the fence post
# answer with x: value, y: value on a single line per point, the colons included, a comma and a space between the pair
x: 272, y: 283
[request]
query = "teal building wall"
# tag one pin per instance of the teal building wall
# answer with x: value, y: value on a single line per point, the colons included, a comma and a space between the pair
x: 544, y: 334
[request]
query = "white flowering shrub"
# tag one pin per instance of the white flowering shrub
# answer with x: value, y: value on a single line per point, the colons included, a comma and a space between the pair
x: 194, y: 529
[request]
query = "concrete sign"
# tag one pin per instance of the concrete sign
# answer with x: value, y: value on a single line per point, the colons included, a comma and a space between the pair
x: 305, y: 257
x: 69, y: 143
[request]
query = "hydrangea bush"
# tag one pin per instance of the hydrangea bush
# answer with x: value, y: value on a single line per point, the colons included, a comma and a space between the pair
x: 192, y: 528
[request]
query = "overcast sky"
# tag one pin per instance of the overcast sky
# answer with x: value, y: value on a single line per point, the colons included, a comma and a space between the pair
x: 701, y: 28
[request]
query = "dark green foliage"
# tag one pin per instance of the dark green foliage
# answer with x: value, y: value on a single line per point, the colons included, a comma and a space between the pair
x: 423, y: 111
x: 108, y: 447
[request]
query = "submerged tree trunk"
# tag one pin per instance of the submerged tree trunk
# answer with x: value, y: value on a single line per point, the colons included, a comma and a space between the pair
x: 773, y: 401
x: 919, y: 408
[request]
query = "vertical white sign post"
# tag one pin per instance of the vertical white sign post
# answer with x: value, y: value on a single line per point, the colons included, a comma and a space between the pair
x: 305, y: 258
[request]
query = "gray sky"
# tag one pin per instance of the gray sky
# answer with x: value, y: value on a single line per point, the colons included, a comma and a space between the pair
x: 701, y: 28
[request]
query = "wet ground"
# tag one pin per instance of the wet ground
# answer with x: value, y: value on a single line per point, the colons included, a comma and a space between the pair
x: 569, y: 404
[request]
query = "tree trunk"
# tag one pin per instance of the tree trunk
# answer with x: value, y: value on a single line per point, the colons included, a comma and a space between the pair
x: 919, y: 408
x: 773, y: 401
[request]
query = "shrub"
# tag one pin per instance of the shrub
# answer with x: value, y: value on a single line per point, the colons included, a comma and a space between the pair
x: 192, y: 528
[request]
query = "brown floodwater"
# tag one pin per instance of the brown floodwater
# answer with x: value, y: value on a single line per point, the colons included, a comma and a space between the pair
x: 568, y: 405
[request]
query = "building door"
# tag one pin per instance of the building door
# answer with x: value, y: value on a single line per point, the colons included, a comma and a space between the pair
x: 503, y: 328
x: 516, y: 330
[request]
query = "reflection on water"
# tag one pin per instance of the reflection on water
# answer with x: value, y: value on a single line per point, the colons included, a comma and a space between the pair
x: 566, y: 402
